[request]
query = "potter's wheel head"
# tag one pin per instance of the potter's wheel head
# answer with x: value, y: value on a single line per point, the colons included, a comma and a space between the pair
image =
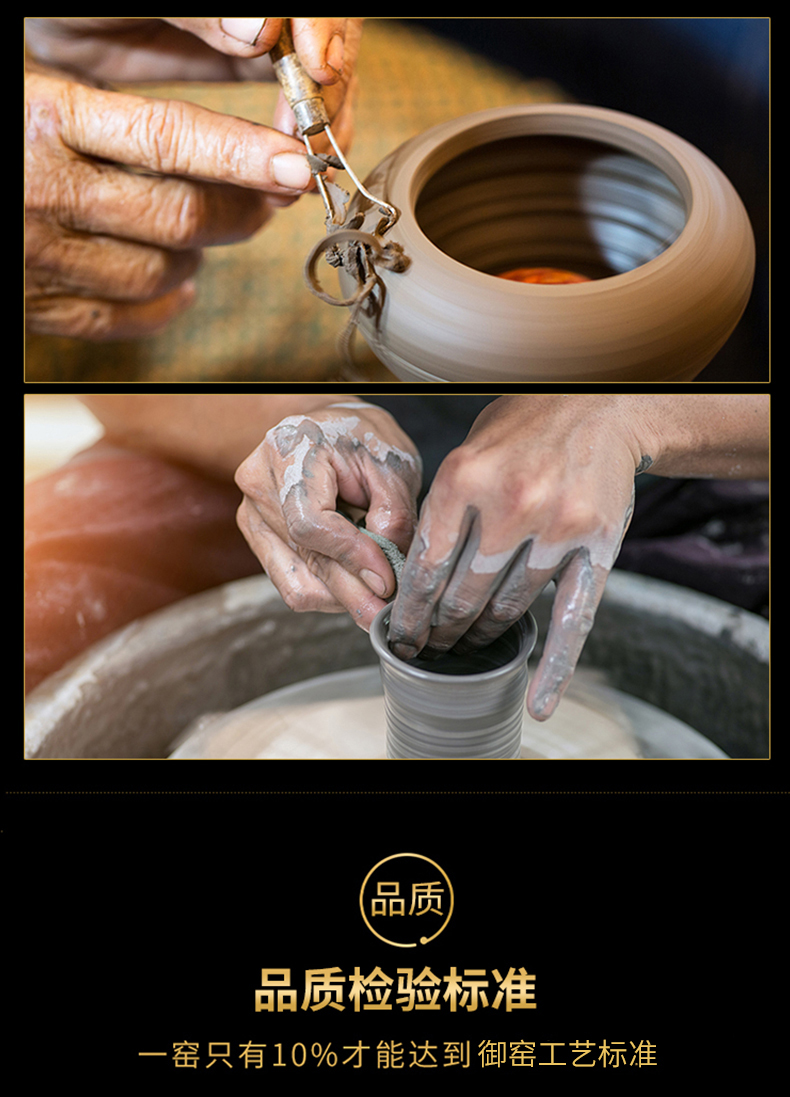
x: 342, y: 716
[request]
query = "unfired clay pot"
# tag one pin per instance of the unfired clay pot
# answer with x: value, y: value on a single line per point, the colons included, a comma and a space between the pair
x: 654, y: 223
x: 456, y: 706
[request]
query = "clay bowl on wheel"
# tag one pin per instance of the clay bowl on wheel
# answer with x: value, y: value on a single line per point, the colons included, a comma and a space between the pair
x: 654, y: 224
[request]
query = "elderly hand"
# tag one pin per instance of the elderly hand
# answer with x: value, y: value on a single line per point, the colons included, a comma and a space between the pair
x: 127, y: 50
x: 541, y: 489
x: 348, y: 452
x: 123, y: 191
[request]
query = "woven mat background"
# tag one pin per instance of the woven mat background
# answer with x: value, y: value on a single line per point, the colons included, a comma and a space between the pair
x: 254, y: 319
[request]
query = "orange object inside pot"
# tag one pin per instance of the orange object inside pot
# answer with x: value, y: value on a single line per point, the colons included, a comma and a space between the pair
x: 544, y: 275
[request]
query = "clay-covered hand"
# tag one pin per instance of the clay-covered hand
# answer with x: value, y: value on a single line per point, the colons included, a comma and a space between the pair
x: 541, y: 489
x: 348, y: 454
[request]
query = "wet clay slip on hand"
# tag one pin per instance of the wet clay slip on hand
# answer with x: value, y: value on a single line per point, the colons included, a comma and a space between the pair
x: 649, y: 218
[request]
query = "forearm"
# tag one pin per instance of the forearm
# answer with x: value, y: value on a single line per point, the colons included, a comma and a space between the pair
x: 701, y: 435
x: 213, y: 432
x: 717, y: 436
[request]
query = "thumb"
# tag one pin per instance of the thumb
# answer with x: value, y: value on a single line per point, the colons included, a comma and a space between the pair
x: 236, y: 37
x: 393, y: 516
x: 172, y: 137
x: 319, y: 43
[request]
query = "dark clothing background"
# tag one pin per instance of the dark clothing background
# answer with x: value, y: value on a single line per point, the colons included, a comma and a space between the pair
x: 710, y: 535
x: 436, y: 424
x: 115, y: 534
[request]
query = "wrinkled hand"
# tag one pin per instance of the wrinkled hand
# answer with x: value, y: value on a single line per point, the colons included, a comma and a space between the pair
x: 206, y: 49
x: 541, y: 489
x: 348, y: 453
x: 122, y: 192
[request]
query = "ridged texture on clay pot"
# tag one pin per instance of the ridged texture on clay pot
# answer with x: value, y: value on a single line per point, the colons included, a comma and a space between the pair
x: 456, y: 707
x: 133, y: 693
x: 649, y: 217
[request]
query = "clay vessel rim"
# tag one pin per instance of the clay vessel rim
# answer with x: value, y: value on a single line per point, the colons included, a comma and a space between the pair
x: 422, y: 159
x: 380, y: 646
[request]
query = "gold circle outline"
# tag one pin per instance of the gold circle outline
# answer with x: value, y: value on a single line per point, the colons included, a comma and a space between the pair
x: 423, y: 940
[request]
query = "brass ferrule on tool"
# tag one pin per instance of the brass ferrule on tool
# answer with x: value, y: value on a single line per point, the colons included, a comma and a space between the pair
x: 306, y: 100
x: 303, y: 94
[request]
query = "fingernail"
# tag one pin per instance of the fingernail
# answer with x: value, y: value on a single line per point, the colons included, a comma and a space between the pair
x: 290, y: 169
x: 375, y: 582
x: 334, y: 53
x: 544, y: 705
x: 188, y: 290
x: 404, y: 651
x: 247, y: 31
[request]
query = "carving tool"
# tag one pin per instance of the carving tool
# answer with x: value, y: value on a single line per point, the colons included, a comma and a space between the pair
x: 306, y: 100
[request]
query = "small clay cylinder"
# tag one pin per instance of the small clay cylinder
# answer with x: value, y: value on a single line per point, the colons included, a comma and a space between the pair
x: 469, y: 706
